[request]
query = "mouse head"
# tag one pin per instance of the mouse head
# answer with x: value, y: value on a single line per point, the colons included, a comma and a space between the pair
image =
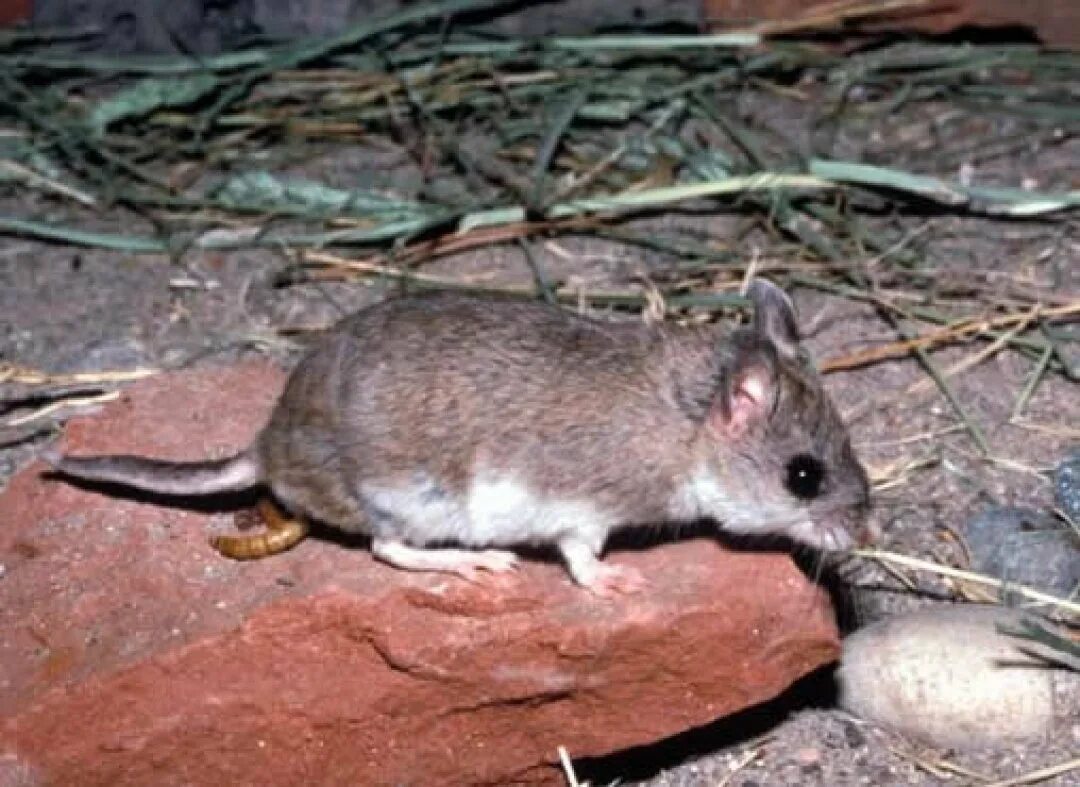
x: 780, y: 456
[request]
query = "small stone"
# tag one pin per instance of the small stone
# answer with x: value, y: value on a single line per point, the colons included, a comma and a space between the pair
x: 1067, y: 485
x: 105, y: 355
x: 808, y: 756
x: 947, y: 676
x: 853, y: 735
x: 1022, y: 545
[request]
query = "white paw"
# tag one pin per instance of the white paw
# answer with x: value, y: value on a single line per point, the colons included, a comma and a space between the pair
x: 610, y: 581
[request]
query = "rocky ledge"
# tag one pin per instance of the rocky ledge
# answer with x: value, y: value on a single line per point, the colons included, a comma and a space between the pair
x: 134, y: 654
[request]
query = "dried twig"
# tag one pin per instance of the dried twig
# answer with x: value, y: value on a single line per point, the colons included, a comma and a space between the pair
x: 60, y: 404
x: 23, y: 375
x: 963, y: 330
x: 1039, y: 775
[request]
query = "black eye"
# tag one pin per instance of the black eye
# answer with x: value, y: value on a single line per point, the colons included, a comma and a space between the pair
x: 804, y: 476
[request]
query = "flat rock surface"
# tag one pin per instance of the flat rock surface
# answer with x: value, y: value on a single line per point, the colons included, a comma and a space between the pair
x: 135, y: 654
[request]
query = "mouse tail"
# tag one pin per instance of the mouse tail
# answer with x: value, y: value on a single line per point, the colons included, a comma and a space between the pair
x: 233, y: 474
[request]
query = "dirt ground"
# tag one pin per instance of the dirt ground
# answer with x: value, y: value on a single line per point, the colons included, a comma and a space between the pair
x: 65, y: 309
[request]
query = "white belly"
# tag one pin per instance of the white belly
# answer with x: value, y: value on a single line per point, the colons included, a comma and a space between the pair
x: 494, y: 511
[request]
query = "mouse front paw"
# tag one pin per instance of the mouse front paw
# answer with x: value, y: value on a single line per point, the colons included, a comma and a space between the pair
x: 599, y: 578
x: 610, y: 581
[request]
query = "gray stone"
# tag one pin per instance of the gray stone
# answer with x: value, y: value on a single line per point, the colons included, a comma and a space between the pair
x: 1024, y: 546
x: 1067, y: 485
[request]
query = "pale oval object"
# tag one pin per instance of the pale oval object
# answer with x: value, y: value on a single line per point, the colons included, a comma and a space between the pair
x: 946, y: 676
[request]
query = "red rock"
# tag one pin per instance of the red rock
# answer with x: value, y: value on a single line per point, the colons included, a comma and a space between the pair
x: 1056, y: 23
x: 14, y: 11
x: 133, y: 654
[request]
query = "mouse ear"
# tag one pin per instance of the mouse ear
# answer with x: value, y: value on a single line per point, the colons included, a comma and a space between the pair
x: 774, y: 316
x: 747, y: 394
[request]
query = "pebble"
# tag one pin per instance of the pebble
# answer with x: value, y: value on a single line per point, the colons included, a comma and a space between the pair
x: 948, y: 677
x: 1067, y: 485
x: 853, y: 735
x: 1025, y: 546
x: 105, y: 355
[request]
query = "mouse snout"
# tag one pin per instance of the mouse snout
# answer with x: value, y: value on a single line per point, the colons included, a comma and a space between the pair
x: 845, y: 527
x: 855, y: 520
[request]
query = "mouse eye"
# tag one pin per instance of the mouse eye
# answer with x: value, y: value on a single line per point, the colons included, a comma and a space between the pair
x: 804, y: 476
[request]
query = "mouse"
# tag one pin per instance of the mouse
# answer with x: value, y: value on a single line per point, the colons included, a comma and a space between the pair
x: 450, y: 428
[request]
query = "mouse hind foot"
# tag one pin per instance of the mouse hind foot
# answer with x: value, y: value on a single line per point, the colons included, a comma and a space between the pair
x: 282, y: 533
x: 466, y: 563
